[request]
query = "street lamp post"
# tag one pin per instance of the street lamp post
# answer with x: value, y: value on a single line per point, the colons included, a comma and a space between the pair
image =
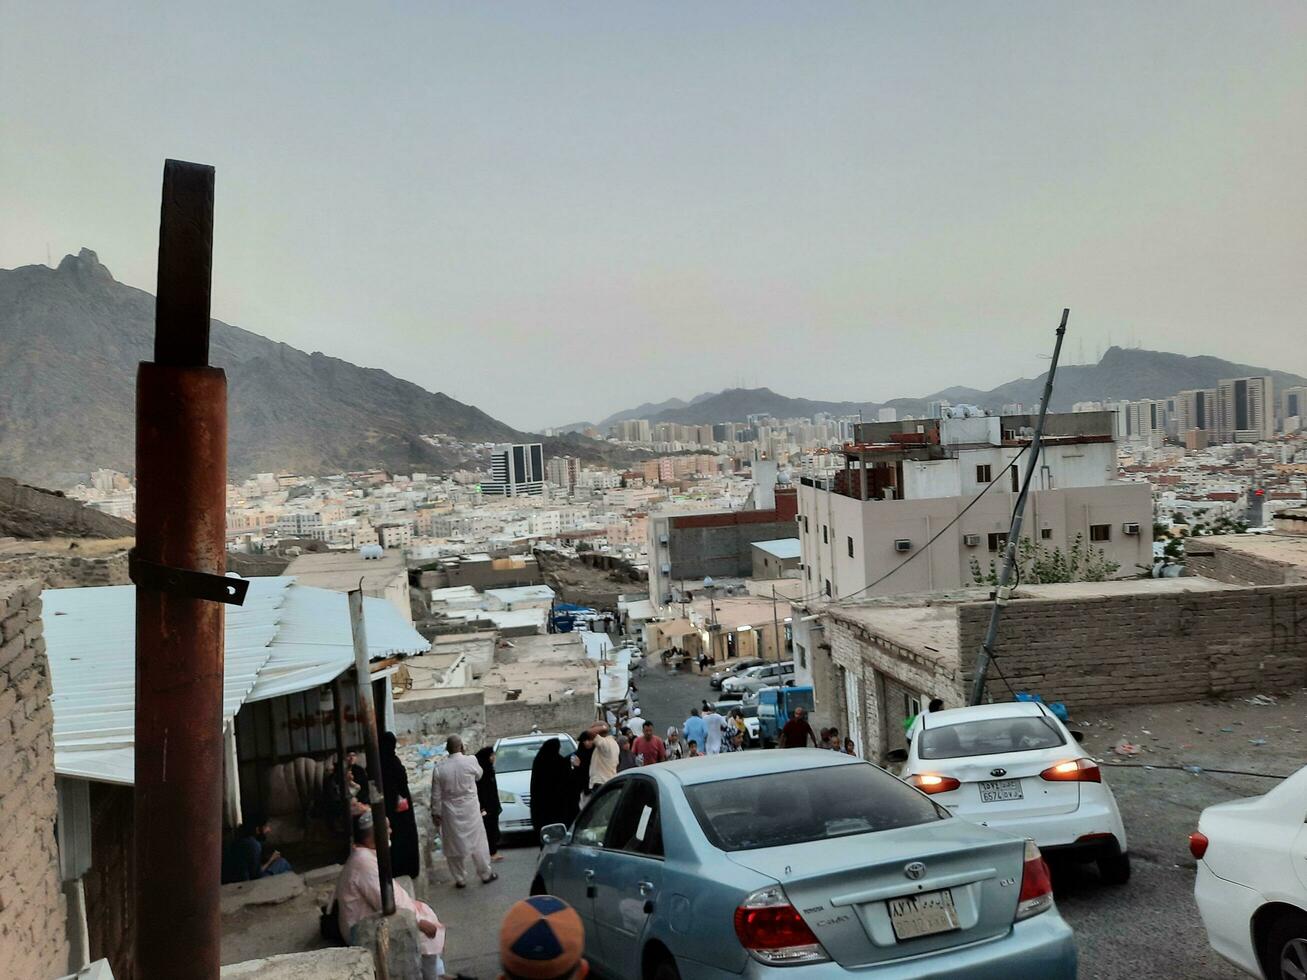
x: 710, y: 588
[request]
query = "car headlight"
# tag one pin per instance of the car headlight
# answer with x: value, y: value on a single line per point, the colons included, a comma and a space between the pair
x: 506, y: 797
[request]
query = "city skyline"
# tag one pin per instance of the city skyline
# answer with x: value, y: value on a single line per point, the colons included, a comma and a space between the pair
x: 468, y: 197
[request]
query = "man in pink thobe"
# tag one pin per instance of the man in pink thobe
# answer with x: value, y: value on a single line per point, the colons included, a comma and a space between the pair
x: 358, y: 895
x: 456, y: 813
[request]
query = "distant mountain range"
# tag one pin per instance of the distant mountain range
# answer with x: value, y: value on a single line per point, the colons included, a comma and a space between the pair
x: 70, y: 342
x: 1121, y: 374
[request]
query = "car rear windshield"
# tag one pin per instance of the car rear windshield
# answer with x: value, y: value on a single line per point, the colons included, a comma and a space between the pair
x: 992, y: 736
x: 784, y: 808
x: 520, y: 755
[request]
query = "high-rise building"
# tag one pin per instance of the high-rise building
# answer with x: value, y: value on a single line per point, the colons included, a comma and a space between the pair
x: 1293, y: 403
x: 516, y: 471
x: 1245, y: 409
x: 887, y: 415
x: 1146, y: 422
x: 563, y: 471
x: 1196, y: 409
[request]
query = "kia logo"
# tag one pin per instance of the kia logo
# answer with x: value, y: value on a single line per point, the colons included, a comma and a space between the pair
x: 998, y: 772
x: 915, y: 870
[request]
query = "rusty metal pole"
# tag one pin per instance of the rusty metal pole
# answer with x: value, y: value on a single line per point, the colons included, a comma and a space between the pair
x: 368, y: 721
x: 342, y: 784
x: 181, y: 478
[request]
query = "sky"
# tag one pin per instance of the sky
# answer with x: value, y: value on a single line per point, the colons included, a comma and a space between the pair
x: 556, y: 211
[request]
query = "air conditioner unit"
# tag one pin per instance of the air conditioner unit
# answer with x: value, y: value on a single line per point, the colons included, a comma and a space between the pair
x: 662, y: 539
x: 971, y: 540
x: 1130, y: 527
x: 902, y: 544
x: 667, y: 569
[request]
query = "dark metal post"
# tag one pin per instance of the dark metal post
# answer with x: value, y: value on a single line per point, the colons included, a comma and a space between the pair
x: 776, y: 625
x: 342, y: 784
x: 1004, y: 591
x: 181, y: 477
x: 368, y: 721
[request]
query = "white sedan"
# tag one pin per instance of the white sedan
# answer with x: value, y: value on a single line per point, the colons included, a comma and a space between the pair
x: 513, y: 757
x: 1251, y: 886
x: 1014, y: 766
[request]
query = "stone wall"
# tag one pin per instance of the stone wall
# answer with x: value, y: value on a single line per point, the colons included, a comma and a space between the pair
x: 1238, y: 567
x: 30, y: 512
x: 33, y: 937
x: 432, y: 716
x: 1147, y: 649
x: 568, y: 714
x: 67, y: 570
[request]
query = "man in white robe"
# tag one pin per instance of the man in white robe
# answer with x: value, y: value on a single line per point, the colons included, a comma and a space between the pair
x: 456, y: 813
x: 358, y: 895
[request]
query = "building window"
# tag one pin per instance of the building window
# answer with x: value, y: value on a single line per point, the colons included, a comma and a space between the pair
x: 850, y: 547
x: 805, y: 523
x: 1046, y: 533
x: 997, y: 541
x: 1100, y: 532
x: 1016, y: 477
x: 911, y: 705
x: 803, y: 656
x: 983, y: 474
x: 828, y: 587
x: 825, y: 534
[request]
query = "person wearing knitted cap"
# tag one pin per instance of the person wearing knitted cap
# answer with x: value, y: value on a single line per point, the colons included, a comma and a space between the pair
x: 542, y: 938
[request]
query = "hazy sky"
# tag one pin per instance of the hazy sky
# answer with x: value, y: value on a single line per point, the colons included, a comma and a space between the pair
x: 554, y: 211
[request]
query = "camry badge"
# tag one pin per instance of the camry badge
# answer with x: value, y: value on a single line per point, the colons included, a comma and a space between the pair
x: 998, y: 772
x: 915, y: 870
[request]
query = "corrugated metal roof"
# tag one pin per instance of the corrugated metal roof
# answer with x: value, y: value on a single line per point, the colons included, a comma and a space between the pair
x: 285, y: 638
x: 780, y: 547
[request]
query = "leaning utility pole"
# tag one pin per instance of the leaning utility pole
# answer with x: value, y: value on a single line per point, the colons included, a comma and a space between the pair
x: 178, y: 566
x: 1004, y: 592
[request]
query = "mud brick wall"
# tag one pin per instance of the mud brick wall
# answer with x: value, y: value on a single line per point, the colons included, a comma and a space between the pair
x: 33, y: 939
x: 1147, y: 649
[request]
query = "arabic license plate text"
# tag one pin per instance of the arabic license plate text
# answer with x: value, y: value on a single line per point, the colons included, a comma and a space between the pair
x: 999, y: 790
x: 923, y: 915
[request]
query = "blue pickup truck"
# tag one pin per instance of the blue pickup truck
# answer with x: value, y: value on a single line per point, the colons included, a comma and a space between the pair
x: 775, y: 707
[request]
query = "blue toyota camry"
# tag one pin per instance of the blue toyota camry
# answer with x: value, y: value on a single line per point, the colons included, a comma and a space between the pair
x: 802, y: 863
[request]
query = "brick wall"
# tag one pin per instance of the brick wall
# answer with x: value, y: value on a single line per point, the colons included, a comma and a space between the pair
x: 567, y: 714
x: 33, y: 939
x: 1147, y: 649
x: 431, y: 717
x: 1237, y: 567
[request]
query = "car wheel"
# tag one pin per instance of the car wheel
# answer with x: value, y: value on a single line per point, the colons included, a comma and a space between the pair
x: 1114, y: 867
x: 1286, y: 945
x: 665, y: 969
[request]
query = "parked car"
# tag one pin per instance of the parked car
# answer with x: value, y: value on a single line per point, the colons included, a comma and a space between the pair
x: 513, y: 757
x: 731, y: 668
x: 764, y: 675
x: 1014, y: 766
x: 1251, y: 887
x: 793, y: 864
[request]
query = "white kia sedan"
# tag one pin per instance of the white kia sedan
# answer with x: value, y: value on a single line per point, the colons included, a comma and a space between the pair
x: 513, y: 758
x: 1015, y: 767
x: 1251, y: 887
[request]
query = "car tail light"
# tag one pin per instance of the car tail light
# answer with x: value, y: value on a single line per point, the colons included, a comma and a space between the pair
x: 1073, y: 771
x: 1198, y: 844
x: 929, y: 782
x: 772, y: 930
x: 1036, y: 885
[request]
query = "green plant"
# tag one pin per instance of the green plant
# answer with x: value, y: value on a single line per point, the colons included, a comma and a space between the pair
x: 1038, y: 565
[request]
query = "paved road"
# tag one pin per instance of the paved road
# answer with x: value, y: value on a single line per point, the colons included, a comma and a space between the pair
x: 1144, y: 930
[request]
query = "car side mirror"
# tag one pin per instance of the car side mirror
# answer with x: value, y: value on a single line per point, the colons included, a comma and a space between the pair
x: 1079, y: 736
x: 554, y: 833
x: 897, y: 756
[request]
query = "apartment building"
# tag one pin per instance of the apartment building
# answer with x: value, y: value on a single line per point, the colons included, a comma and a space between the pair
x: 1245, y: 409
x: 904, y: 482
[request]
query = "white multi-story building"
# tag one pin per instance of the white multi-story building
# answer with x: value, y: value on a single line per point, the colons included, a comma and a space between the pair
x: 300, y: 524
x: 516, y: 471
x: 903, y: 483
x: 1245, y: 409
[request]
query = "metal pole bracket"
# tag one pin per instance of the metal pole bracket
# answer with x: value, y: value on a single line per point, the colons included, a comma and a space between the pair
x: 186, y: 582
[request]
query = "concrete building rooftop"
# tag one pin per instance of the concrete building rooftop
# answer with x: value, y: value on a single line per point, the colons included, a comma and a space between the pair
x: 1288, y: 549
x: 340, y: 571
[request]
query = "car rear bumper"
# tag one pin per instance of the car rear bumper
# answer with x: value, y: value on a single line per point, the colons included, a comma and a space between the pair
x: 1227, y: 912
x: 1058, y: 831
x: 1041, y: 947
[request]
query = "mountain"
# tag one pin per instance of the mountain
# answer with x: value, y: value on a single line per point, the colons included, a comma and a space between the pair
x: 1121, y: 374
x: 70, y: 342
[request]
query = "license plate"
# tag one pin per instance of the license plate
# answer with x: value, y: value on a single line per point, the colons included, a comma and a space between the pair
x: 999, y: 790
x: 923, y: 915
